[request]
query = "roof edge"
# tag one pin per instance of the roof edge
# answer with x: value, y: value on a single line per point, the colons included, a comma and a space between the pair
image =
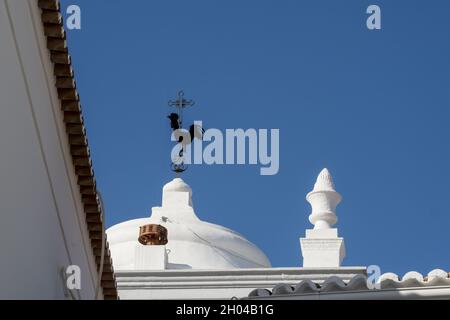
x: 77, y: 139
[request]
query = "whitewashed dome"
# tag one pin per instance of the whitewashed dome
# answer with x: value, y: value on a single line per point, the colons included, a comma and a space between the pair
x: 192, y: 243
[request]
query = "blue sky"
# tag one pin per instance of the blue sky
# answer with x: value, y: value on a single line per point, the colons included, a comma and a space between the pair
x: 372, y: 106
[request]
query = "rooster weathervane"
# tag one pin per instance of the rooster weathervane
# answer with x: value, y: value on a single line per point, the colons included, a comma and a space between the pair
x: 176, y: 124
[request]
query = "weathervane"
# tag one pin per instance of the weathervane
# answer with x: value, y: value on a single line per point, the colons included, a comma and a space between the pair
x: 176, y: 123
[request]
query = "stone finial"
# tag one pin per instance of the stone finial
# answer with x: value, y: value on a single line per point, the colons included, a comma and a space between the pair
x: 322, y: 247
x: 324, y: 181
x: 177, y: 193
x: 323, y: 199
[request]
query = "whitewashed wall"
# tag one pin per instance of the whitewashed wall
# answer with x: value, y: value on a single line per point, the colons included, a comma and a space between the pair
x: 218, y: 284
x: 42, y: 226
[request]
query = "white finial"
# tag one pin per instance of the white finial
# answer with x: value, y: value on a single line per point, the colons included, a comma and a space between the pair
x: 323, y: 199
x: 324, y: 181
x: 177, y: 193
x: 321, y: 247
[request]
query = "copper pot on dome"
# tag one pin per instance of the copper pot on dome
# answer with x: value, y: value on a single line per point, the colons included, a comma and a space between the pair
x: 152, y: 235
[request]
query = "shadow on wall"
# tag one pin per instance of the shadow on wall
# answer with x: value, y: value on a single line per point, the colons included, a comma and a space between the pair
x: 178, y: 266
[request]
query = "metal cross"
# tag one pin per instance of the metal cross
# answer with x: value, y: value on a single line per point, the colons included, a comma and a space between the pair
x: 179, y: 166
x: 181, y: 102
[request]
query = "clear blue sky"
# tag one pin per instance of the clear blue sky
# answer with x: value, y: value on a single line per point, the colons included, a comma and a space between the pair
x: 372, y: 106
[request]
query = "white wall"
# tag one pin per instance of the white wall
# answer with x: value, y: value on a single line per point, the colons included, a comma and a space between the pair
x: 218, y: 284
x: 42, y: 224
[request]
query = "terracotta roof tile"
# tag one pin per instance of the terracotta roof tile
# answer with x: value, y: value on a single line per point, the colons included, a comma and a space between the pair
x: 335, y: 284
x: 76, y: 136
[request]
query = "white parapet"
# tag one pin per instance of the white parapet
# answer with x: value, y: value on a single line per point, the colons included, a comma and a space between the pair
x: 321, y: 247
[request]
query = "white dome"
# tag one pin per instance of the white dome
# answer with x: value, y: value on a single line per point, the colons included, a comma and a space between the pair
x: 192, y: 243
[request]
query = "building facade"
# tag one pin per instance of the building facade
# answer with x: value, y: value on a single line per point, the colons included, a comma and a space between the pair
x: 50, y: 214
x: 200, y: 260
x: 172, y: 254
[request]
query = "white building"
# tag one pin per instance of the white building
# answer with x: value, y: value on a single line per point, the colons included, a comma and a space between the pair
x: 203, y: 260
x: 50, y: 214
